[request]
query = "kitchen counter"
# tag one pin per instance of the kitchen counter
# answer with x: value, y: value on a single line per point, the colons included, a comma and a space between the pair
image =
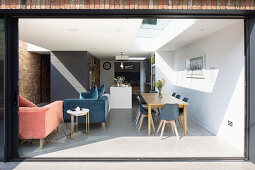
x: 121, y: 97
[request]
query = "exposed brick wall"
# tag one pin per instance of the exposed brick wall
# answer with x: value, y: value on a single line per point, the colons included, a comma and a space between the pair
x: 128, y: 4
x: 29, y: 74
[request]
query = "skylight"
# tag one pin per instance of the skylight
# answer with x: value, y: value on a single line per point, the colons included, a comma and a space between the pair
x: 151, y: 28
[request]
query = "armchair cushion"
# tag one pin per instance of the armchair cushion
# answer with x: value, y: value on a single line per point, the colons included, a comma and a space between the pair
x: 23, y: 102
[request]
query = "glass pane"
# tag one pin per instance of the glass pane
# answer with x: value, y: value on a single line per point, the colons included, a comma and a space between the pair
x: 1, y: 89
x: 152, y: 28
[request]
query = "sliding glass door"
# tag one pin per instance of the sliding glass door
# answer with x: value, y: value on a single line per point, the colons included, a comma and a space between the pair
x: 2, y: 50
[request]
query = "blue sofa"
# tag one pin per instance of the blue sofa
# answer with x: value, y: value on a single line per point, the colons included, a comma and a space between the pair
x: 98, y: 109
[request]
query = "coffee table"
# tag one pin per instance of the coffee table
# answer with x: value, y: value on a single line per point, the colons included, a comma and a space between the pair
x: 77, y: 113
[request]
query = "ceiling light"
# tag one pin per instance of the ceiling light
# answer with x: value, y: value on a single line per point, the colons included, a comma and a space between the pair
x: 121, y: 57
x: 136, y: 58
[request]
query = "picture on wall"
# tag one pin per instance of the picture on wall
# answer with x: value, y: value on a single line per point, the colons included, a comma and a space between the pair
x: 195, y: 67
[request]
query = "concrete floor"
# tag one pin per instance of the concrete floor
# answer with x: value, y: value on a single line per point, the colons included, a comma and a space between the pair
x: 129, y: 165
x: 122, y: 139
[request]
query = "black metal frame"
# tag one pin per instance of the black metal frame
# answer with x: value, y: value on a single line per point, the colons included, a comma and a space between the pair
x: 11, y: 17
x: 11, y: 88
x: 250, y: 88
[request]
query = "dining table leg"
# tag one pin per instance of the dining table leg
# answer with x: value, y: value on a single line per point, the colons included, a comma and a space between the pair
x: 149, y: 120
x: 185, y: 119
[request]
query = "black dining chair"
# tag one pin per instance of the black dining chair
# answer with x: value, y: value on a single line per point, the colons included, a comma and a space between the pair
x: 178, y: 96
x: 174, y: 94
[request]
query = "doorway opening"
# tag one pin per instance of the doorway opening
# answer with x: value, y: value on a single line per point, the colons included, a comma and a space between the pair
x: 199, y: 59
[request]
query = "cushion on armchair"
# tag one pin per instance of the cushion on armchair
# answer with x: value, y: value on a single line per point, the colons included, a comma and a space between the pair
x: 23, y: 102
x: 101, y: 90
x: 91, y: 95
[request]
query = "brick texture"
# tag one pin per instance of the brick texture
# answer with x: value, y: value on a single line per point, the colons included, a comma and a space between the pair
x: 29, y: 74
x: 129, y: 4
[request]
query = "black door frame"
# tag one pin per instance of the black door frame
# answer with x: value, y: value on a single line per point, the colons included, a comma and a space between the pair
x: 11, y: 89
x: 11, y: 21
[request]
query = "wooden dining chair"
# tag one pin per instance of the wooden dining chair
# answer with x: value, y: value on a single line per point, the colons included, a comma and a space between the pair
x: 169, y: 114
x: 181, y: 117
x: 144, y: 113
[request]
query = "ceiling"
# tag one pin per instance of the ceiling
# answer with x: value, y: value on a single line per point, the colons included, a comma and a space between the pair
x: 106, y: 38
x: 101, y: 37
x: 201, y: 28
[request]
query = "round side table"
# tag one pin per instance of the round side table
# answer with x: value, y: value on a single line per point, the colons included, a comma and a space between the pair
x: 77, y: 113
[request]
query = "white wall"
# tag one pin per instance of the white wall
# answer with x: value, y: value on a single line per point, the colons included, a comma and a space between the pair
x: 220, y: 96
x: 106, y: 76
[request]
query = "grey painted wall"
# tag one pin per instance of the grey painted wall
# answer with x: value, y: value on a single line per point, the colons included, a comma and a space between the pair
x: 69, y: 74
x: 106, y: 76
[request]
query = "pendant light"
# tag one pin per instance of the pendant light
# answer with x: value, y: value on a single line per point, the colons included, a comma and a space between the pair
x: 121, y: 63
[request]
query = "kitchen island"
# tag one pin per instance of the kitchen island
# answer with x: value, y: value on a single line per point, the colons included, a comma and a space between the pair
x: 121, y: 97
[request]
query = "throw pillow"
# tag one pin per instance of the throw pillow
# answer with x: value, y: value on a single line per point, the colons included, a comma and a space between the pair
x: 101, y: 90
x: 94, y: 92
x: 91, y: 95
x: 23, y: 102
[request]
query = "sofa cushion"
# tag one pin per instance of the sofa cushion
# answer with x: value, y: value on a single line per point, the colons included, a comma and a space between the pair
x: 101, y: 90
x: 23, y: 102
x: 94, y: 93
x: 91, y: 95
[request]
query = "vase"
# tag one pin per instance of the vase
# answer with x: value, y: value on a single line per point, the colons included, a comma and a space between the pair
x: 159, y: 93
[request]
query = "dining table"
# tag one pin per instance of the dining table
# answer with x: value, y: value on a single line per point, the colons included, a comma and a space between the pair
x: 153, y: 101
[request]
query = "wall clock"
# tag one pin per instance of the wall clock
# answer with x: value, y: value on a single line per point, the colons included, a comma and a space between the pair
x: 107, y: 65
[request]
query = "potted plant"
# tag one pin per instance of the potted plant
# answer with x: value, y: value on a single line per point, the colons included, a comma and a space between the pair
x: 119, y: 80
x: 159, y: 85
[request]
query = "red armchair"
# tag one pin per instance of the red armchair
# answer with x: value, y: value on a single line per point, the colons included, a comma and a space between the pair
x: 36, y: 122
